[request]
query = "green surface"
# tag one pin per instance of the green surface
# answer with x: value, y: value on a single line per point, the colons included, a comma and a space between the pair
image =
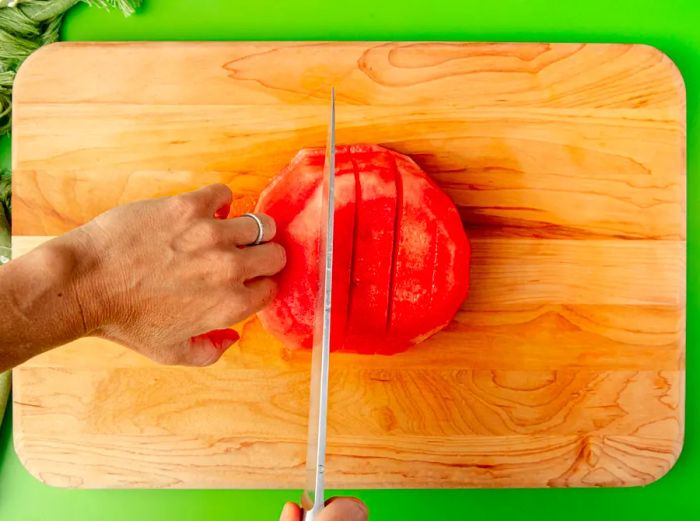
x: 671, y: 26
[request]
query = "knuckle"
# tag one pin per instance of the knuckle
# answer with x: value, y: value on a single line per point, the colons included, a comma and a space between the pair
x: 280, y: 255
x: 232, y: 268
x: 220, y: 189
x: 182, y: 205
x: 210, y: 232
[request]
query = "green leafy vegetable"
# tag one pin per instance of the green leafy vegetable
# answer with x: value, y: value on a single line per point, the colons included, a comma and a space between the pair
x: 5, y: 216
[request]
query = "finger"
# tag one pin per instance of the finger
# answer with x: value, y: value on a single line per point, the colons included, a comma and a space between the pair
x: 263, y: 260
x: 344, y: 509
x: 213, y: 200
x: 260, y: 293
x: 290, y: 512
x: 206, y: 349
x: 243, y: 230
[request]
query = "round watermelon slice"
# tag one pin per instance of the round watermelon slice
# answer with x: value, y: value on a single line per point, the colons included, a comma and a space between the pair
x: 401, y: 255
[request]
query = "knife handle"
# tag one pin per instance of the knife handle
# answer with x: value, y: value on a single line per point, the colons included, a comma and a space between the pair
x: 310, y: 515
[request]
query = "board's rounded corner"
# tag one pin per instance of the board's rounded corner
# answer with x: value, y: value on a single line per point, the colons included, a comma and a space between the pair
x: 24, y: 459
x: 676, y: 73
x: 654, y: 478
x: 20, y: 451
x: 30, y: 62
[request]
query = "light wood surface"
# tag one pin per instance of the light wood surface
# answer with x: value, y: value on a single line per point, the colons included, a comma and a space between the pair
x: 566, y: 365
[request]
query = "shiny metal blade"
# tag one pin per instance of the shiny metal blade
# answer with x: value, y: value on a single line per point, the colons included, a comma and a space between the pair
x: 312, y: 501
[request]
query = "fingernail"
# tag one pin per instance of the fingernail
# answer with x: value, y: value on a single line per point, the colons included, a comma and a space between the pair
x: 223, y: 338
x: 363, y: 511
x: 354, y: 507
x: 222, y: 212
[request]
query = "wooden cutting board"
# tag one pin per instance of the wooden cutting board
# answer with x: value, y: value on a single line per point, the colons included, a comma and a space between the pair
x: 566, y: 365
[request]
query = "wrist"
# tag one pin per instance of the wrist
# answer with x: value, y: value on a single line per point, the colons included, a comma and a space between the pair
x: 75, y: 264
x: 44, y: 301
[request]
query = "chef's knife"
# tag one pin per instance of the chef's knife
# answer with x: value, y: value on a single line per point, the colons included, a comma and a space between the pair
x: 312, y: 501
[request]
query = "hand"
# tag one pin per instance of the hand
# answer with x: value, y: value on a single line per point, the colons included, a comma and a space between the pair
x: 337, y: 509
x: 166, y: 277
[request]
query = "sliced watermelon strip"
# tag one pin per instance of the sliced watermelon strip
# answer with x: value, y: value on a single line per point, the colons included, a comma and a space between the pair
x: 374, y: 239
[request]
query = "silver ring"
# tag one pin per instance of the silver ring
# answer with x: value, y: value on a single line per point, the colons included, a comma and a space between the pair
x: 261, y: 228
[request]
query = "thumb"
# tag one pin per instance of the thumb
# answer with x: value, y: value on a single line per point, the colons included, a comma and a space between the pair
x: 207, y: 348
x: 291, y: 512
x: 344, y: 509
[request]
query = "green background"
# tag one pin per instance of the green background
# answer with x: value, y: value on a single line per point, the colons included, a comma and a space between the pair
x: 674, y: 27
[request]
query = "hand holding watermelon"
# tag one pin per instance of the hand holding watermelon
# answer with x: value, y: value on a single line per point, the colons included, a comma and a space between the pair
x: 165, y: 277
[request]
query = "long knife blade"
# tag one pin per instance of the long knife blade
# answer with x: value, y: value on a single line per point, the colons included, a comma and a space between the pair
x: 312, y: 501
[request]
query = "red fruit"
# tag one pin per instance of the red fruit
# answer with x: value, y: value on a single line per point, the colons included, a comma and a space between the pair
x: 401, y: 257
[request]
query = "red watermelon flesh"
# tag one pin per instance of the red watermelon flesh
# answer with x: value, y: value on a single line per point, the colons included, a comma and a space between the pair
x: 401, y: 256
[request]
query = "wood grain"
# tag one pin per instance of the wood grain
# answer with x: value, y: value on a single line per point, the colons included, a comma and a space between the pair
x: 626, y: 168
x: 566, y: 365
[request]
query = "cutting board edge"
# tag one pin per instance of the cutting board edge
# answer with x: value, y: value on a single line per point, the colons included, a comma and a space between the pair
x: 46, y: 51
x: 68, y: 481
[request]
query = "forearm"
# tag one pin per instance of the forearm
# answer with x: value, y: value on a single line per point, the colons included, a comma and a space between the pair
x: 40, y: 306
